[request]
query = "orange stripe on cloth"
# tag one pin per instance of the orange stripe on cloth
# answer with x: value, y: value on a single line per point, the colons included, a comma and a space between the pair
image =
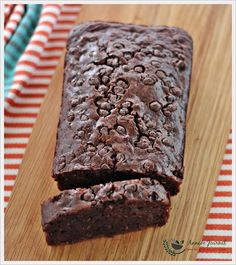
x: 8, y: 188
x: 221, y: 204
x: 11, y: 166
x: 22, y: 105
x: 15, y: 145
x: 217, y: 238
x: 227, y: 162
x: 225, y: 172
x: 223, y: 194
x: 6, y: 198
x: 13, y: 156
x: 16, y: 135
x: 18, y: 125
x: 9, y: 177
x: 220, y: 215
x: 224, y: 183
x: 218, y: 227
x: 20, y: 115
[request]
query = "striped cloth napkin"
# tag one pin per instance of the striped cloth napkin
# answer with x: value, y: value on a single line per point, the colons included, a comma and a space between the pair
x: 19, y: 39
x: 32, y: 76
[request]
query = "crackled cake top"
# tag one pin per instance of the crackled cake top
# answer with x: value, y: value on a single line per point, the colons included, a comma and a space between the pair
x: 124, y: 99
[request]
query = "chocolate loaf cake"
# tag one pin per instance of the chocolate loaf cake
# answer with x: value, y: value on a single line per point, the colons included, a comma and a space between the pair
x: 124, y: 102
x: 104, y: 210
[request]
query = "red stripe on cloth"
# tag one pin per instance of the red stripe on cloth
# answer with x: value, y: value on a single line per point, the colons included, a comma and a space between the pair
x: 215, y: 250
x: 68, y: 21
x: 11, y: 166
x: 223, y: 194
x: 16, y: 135
x: 221, y: 204
x: 224, y: 183
x: 227, y: 161
x: 27, y: 62
x: 218, y: 227
x: 6, y: 198
x: 18, y: 125
x: 22, y: 105
x: 10, y: 30
x: 20, y: 115
x: 41, y: 76
x: 217, y: 238
x: 32, y: 52
x: 28, y: 95
x: 46, y: 23
x: 49, y: 49
x: 57, y: 39
x: 9, y: 177
x: 12, y: 20
x: 37, y: 43
x: 17, y: 12
x: 69, y: 13
x: 225, y: 172
x: 13, y: 156
x: 46, y: 67
x: 15, y: 145
x: 42, y: 32
x: 23, y: 72
x: 229, y: 141
x: 8, y: 188
x: 49, y: 58
x: 60, y: 30
x: 220, y: 215
x: 36, y: 86
x: 19, y: 83
x: 228, y: 151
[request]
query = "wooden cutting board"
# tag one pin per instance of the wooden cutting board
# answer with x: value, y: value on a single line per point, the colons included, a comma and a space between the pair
x: 208, y: 125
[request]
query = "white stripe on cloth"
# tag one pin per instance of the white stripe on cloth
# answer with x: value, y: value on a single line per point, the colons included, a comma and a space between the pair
x: 222, y: 199
x: 29, y: 100
x: 14, y: 151
x: 9, y: 182
x: 7, y: 193
x: 12, y: 161
x: 214, y: 256
x: 34, y: 110
x: 217, y: 232
x: 226, y: 167
x: 223, y: 188
x: 17, y: 130
x: 220, y: 210
x: 218, y: 221
x: 225, y: 177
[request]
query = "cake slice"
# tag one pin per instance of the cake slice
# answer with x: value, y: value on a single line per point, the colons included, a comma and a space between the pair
x: 104, y: 210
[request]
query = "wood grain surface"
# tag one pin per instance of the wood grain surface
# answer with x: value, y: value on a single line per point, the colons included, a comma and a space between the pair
x: 208, y: 125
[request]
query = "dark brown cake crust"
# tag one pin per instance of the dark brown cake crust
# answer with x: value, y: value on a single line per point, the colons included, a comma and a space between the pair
x: 104, y: 210
x: 124, y: 104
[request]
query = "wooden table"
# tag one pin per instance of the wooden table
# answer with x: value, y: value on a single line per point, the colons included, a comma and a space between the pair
x: 208, y: 126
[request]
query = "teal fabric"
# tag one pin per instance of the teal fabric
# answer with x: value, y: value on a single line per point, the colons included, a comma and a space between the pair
x: 18, y: 42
